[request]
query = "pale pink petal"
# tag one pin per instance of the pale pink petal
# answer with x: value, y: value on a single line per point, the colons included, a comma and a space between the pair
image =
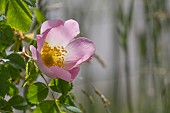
x: 34, y: 52
x: 54, y: 71
x: 41, y: 39
x: 44, y: 69
x: 61, y: 73
x: 51, y: 24
x: 72, y: 27
x: 79, y: 51
x: 74, y: 72
x: 58, y: 36
x: 69, y: 64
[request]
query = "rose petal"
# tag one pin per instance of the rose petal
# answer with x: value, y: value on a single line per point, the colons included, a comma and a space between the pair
x: 54, y: 71
x: 74, y: 72
x: 61, y: 73
x: 58, y: 36
x: 34, y: 52
x: 72, y: 27
x: 41, y: 39
x: 78, y: 51
x: 69, y: 64
x: 51, y: 24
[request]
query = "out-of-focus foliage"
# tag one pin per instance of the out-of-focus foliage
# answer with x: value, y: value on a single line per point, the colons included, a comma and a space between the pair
x: 3, y: 6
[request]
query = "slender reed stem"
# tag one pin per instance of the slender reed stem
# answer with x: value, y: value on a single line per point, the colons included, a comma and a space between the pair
x: 128, y: 82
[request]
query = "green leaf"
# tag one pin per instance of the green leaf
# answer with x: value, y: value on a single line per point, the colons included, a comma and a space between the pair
x: 47, y: 106
x: 4, y: 80
x: 3, y: 4
x: 37, y: 92
x: 30, y: 2
x: 39, y: 16
x: 14, y: 72
x: 60, y: 86
x: 16, y: 61
x: 32, y: 73
x: 4, y: 107
x: 71, y: 108
x: 13, y: 90
x: 18, y: 102
x: 67, y: 100
x: 19, y: 15
x: 6, y: 35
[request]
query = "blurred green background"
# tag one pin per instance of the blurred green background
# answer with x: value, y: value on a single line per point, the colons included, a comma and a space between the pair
x: 130, y: 71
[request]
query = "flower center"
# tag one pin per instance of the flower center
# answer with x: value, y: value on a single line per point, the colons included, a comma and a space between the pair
x: 53, y: 56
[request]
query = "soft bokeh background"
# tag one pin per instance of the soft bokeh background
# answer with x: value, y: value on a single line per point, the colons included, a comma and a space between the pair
x: 131, y: 66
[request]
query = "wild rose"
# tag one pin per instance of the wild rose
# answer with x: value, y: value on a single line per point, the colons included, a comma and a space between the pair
x: 58, y: 53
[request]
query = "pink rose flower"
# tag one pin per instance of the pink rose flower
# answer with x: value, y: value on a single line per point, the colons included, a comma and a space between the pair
x: 58, y: 53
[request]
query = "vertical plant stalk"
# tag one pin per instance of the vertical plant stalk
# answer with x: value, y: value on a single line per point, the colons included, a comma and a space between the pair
x: 116, y: 76
x: 127, y: 26
x: 153, y: 34
x: 128, y: 80
x: 127, y: 62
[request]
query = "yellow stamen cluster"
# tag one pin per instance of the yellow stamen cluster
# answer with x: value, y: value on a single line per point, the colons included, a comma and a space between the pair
x: 53, y: 56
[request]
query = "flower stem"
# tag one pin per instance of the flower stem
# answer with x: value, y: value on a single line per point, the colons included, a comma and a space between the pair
x: 58, y: 108
x: 48, y: 86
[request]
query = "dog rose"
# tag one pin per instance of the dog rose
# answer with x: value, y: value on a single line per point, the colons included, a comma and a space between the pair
x: 59, y: 54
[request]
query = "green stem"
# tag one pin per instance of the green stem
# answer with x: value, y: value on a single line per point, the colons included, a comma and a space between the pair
x: 48, y: 86
x: 57, y: 106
